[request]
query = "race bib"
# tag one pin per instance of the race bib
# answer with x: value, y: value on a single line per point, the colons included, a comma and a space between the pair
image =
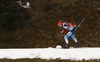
x: 69, y: 33
x: 70, y: 27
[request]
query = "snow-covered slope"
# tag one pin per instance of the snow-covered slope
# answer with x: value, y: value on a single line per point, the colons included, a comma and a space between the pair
x: 52, y: 53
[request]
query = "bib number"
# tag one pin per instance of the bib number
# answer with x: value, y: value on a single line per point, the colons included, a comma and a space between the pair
x: 69, y: 33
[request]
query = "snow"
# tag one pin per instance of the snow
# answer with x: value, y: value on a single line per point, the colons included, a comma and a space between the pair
x: 27, y: 5
x: 52, y: 53
x: 24, y: 6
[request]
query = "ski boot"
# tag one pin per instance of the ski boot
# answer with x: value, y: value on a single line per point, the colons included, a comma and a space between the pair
x: 77, y: 45
x: 67, y: 46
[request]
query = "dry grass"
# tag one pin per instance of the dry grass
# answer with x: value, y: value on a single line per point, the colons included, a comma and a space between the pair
x: 42, y: 29
x: 40, y: 60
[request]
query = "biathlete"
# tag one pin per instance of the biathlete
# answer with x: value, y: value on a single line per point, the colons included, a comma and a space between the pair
x: 72, y: 28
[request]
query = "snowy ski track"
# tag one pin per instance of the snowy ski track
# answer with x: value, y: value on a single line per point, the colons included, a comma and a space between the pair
x: 52, y: 53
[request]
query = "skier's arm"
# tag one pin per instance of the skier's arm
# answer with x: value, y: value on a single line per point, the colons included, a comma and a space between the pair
x: 72, y: 24
x: 63, y: 30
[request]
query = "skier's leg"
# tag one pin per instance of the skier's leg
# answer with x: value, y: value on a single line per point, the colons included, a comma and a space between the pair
x: 66, y: 40
x: 73, y: 37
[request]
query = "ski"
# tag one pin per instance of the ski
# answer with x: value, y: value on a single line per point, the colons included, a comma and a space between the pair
x: 60, y: 47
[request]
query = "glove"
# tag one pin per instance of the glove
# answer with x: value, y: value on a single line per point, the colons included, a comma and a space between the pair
x: 59, y: 33
x: 75, y: 26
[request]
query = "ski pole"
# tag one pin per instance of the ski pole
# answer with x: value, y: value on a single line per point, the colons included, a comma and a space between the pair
x: 84, y: 19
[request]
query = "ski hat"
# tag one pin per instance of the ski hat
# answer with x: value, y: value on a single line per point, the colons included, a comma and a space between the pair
x: 59, y: 22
